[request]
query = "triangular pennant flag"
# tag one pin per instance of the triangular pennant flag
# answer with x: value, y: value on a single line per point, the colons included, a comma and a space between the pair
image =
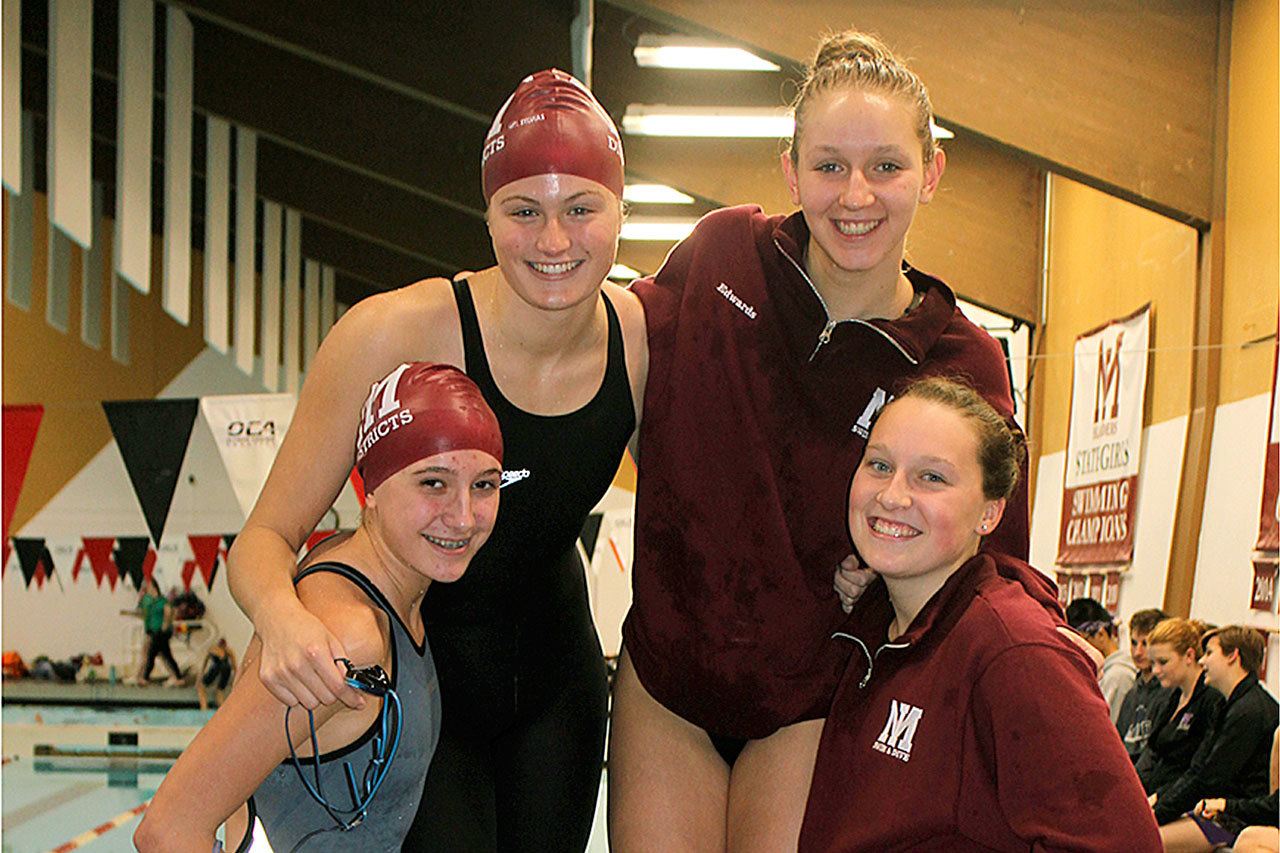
x: 248, y: 429
x: 34, y: 559
x: 230, y: 539
x: 357, y: 483
x: 590, y: 532
x: 21, y: 423
x: 206, y: 550
x: 152, y: 436
x: 135, y: 559
x: 97, y: 550
x: 316, y: 537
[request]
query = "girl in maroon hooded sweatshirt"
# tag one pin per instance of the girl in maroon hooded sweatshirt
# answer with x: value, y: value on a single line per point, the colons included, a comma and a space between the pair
x: 962, y: 722
x: 773, y: 340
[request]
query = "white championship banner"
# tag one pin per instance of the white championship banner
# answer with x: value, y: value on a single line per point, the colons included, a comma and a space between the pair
x: 248, y: 429
x: 1104, y: 446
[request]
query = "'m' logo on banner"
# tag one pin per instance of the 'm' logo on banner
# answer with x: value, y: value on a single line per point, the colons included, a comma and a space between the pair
x: 1108, y: 385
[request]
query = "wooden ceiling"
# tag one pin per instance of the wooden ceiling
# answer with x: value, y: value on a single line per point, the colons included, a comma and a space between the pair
x: 371, y: 115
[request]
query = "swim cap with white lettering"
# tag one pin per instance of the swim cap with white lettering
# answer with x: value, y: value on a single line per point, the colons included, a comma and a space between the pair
x: 551, y: 124
x: 418, y: 410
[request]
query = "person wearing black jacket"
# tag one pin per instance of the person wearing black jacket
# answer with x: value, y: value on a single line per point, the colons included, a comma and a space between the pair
x: 1232, y: 760
x: 1143, y: 702
x: 1219, y: 820
x: 1181, y: 722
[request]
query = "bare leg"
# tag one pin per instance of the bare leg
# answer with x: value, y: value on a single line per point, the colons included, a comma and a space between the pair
x: 1183, y: 836
x: 769, y: 788
x: 202, y: 695
x: 1258, y: 839
x: 668, y: 787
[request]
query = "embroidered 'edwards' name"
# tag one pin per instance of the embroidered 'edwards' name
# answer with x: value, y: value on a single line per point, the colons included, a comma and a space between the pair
x: 727, y: 292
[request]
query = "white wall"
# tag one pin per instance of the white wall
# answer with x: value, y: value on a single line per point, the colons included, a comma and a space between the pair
x: 1232, y: 505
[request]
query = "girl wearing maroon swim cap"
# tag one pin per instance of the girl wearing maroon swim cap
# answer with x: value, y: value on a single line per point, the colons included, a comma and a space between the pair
x: 559, y: 355
x: 431, y: 454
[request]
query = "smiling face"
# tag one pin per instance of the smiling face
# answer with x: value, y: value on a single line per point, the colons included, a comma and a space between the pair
x: 916, y: 505
x: 435, y: 514
x: 555, y: 237
x: 1173, y: 669
x: 1218, y: 667
x: 859, y: 175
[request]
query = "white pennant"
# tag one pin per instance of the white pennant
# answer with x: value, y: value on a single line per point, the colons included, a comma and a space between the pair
x: 248, y: 429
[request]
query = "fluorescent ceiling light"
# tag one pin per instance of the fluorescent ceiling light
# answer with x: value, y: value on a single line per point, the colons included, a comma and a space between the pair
x: 657, y: 229
x: 740, y: 122
x: 654, y: 194
x: 656, y: 51
x: 661, y: 120
x: 622, y: 272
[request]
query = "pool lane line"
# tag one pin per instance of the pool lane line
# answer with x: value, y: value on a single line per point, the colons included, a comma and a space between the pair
x: 102, y: 829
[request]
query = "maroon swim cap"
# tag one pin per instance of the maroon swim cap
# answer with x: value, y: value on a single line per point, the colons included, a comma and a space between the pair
x: 551, y: 124
x: 418, y: 410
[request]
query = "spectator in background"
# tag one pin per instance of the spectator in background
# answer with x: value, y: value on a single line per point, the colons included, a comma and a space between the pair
x: 1118, y: 673
x: 157, y: 621
x: 1232, y: 760
x: 1249, y: 824
x: 1181, y: 723
x: 218, y: 669
x: 1139, y: 707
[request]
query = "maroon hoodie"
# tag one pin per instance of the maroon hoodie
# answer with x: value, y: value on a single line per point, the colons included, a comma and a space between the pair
x: 756, y: 412
x: 980, y: 728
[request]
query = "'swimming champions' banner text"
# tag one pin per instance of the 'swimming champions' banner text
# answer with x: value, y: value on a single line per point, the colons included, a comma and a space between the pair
x: 1104, y: 445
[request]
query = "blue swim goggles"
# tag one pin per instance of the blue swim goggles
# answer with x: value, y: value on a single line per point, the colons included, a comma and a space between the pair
x: 372, y: 680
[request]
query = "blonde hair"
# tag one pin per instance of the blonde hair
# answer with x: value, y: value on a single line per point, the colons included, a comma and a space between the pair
x: 861, y: 61
x: 1182, y: 635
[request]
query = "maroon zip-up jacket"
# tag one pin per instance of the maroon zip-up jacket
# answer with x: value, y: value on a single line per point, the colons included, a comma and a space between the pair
x: 756, y: 412
x: 980, y: 728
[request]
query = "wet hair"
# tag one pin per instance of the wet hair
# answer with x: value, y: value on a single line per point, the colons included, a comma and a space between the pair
x: 861, y: 61
x: 1239, y: 638
x: 1087, y: 616
x: 1001, y: 450
x: 1182, y: 635
x: 1144, y: 621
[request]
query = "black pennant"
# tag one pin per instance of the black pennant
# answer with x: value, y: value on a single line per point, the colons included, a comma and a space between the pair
x: 32, y: 554
x: 130, y: 555
x: 152, y: 436
x: 591, y: 532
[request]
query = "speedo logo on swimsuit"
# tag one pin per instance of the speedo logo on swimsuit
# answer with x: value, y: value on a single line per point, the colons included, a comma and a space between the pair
x: 899, y: 730
x: 509, y: 477
x: 879, y: 398
x: 727, y: 292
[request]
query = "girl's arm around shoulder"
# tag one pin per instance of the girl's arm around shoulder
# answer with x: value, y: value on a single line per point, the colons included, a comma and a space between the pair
x: 418, y: 322
x: 1062, y: 776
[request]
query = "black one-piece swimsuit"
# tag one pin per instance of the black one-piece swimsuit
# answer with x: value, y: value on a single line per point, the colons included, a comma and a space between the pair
x: 522, y: 676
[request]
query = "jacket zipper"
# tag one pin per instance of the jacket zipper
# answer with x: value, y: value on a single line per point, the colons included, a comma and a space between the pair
x: 824, y: 336
x: 871, y: 659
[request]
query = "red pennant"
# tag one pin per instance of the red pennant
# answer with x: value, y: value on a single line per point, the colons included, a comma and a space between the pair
x: 316, y: 538
x: 207, y: 550
x: 357, y: 483
x: 21, y: 423
x: 98, y: 551
x: 149, y: 564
